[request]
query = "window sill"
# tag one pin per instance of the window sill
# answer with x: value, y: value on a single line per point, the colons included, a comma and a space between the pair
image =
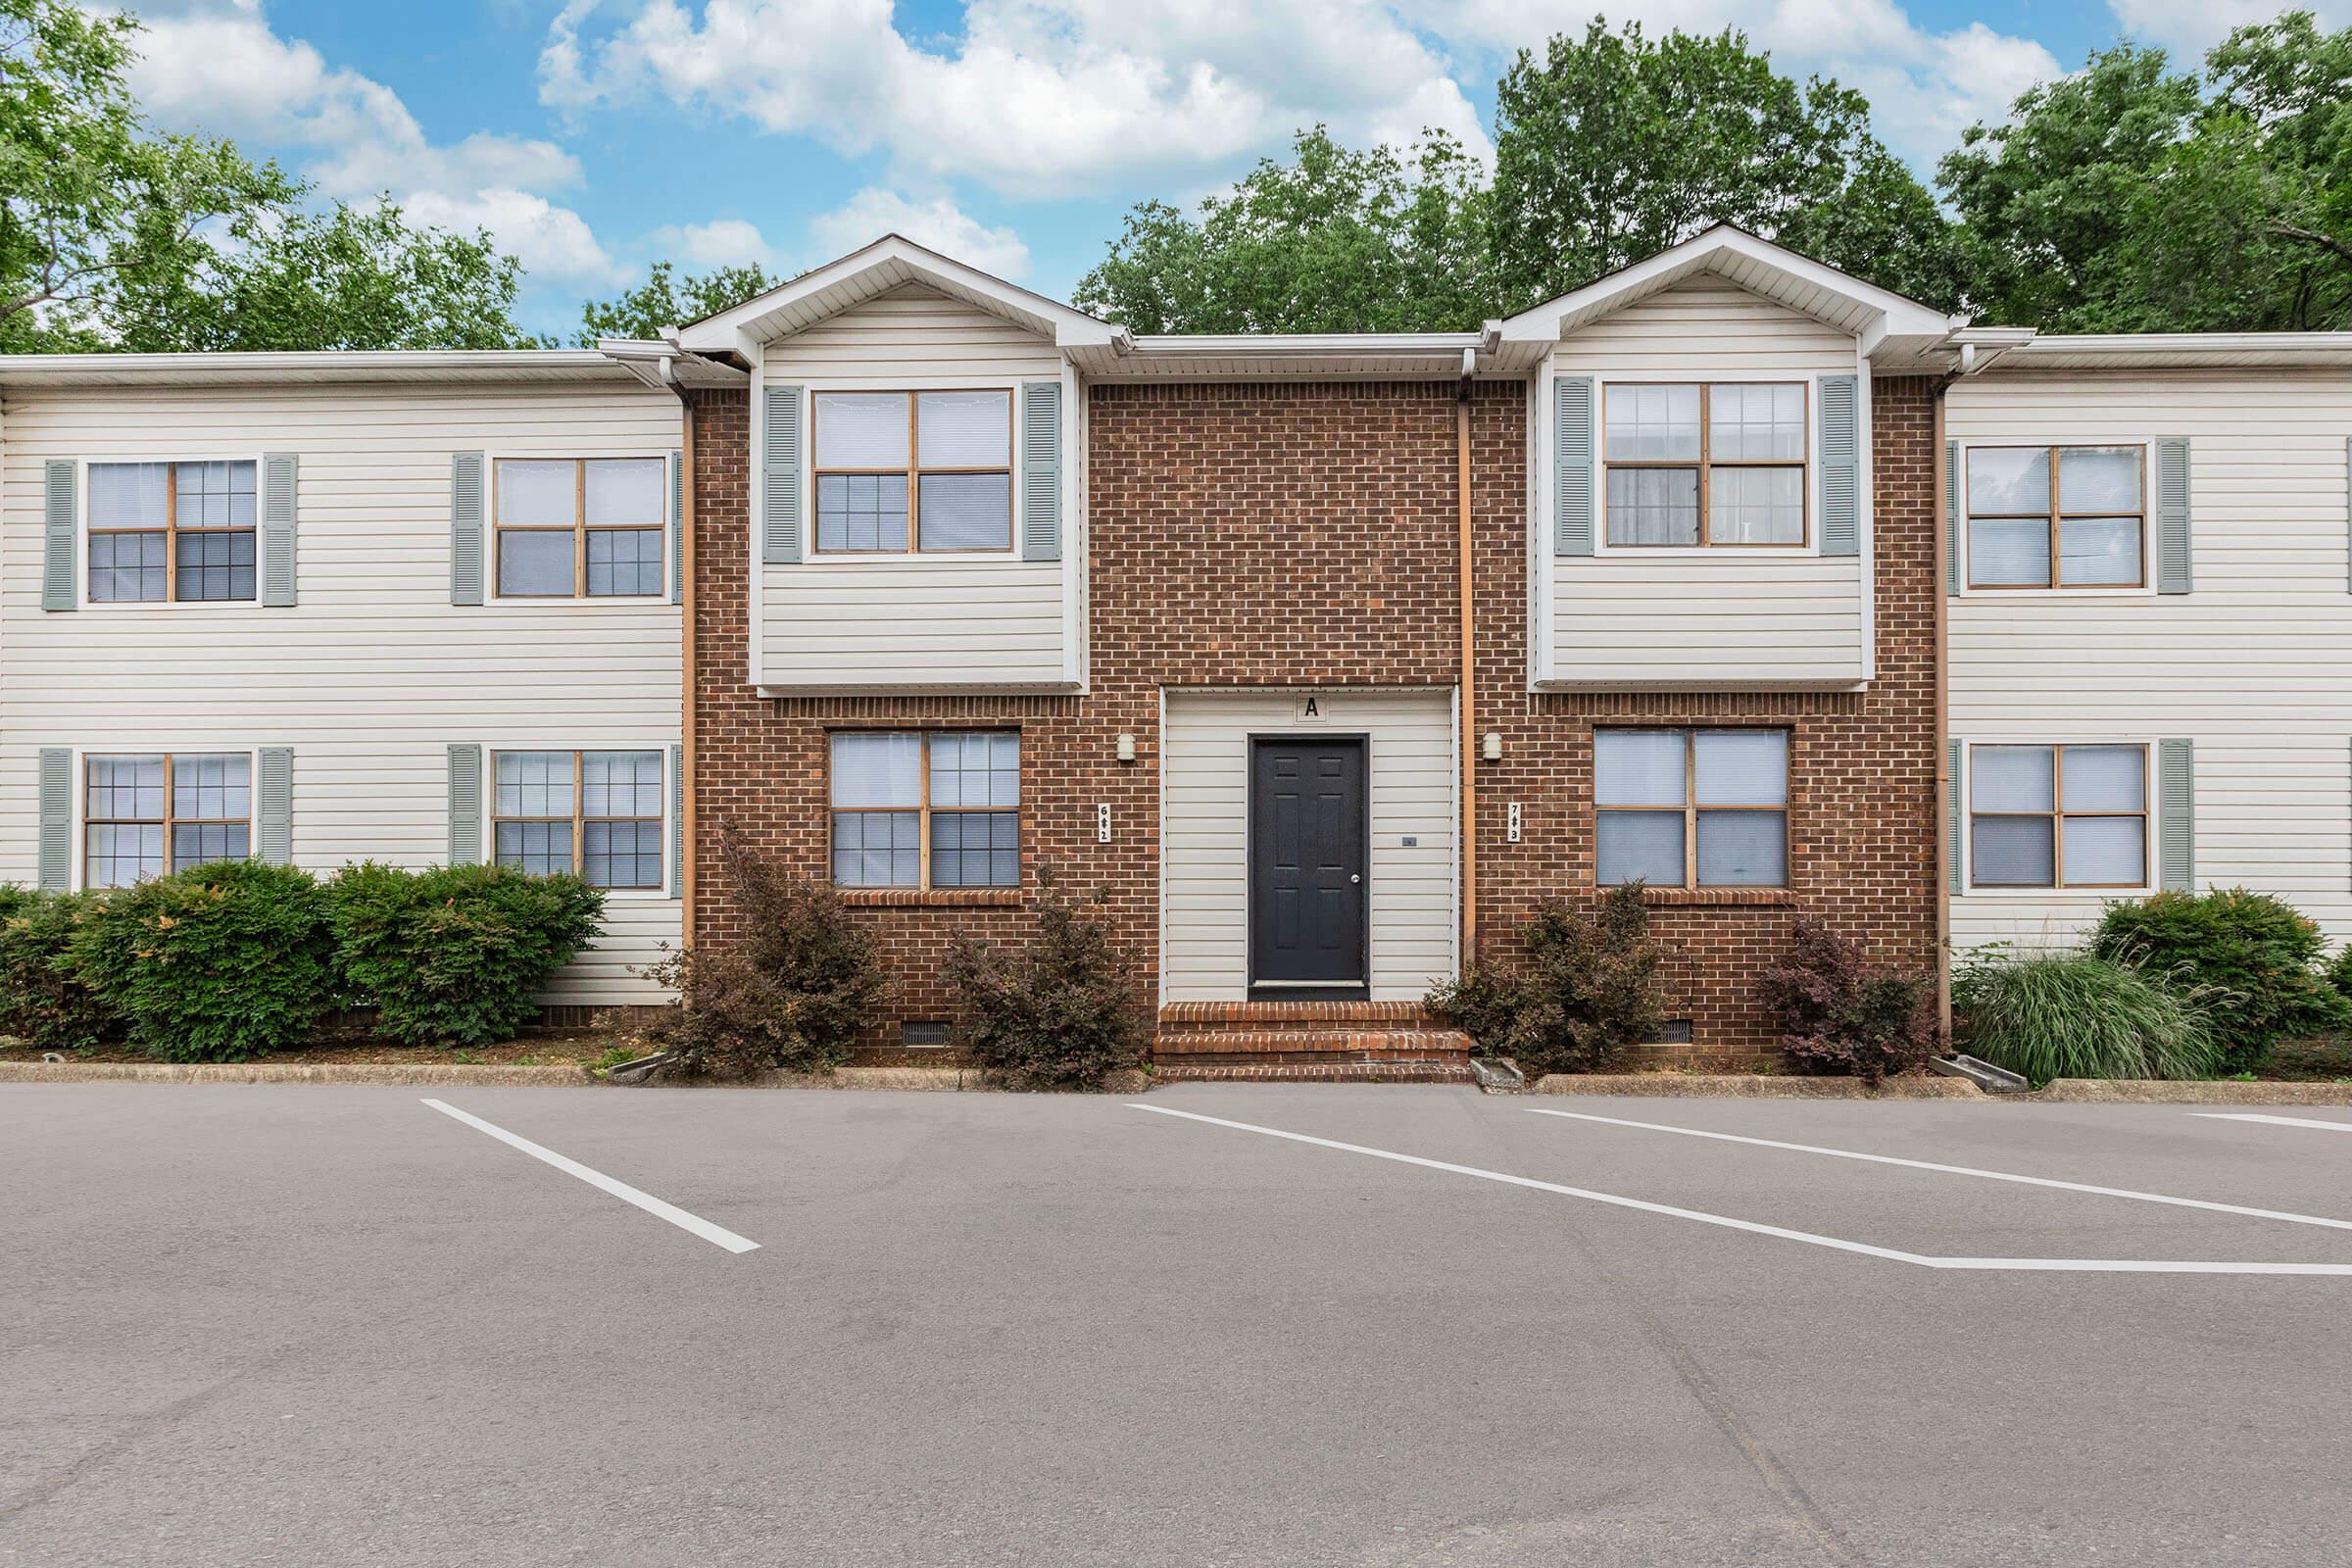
x: 1724, y: 898
x: 931, y: 898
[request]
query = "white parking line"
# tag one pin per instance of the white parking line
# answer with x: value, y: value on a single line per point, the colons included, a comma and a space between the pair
x: 2276, y: 1122
x: 2065, y: 1265
x: 716, y: 1235
x: 1964, y: 1170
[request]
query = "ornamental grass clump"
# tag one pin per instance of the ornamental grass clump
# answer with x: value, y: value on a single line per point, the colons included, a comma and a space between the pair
x: 1582, y: 994
x: 2074, y: 1014
x: 1057, y: 1011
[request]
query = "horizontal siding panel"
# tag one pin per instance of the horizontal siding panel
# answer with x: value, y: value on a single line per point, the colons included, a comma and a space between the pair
x: 1620, y: 618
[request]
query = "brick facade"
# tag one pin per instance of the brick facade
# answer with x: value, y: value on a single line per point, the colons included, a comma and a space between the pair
x: 1303, y: 535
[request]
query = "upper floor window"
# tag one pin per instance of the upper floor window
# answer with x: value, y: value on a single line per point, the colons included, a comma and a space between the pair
x: 2058, y: 816
x: 171, y: 533
x: 143, y: 816
x: 1704, y: 463
x: 2056, y: 516
x: 1692, y: 808
x: 899, y: 471
x: 596, y: 814
x: 572, y: 528
x: 936, y: 811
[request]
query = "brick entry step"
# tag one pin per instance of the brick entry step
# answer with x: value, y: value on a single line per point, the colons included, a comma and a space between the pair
x: 1350, y: 1041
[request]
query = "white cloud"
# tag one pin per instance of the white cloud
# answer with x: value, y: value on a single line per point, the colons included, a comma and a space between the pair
x: 217, y: 65
x: 938, y: 224
x: 721, y: 242
x: 2189, y: 28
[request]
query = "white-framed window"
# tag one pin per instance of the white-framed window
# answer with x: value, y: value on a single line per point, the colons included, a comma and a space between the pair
x: 598, y: 814
x: 172, y: 531
x: 2056, y: 516
x: 2059, y: 815
x: 1691, y: 808
x: 936, y: 808
x: 145, y: 813
x: 1704, y: 464
x: 579, y: 527
x: 908, y: 472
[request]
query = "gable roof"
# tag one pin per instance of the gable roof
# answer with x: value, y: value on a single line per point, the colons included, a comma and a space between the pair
x: 887, y: 263
x: 1771, y: 271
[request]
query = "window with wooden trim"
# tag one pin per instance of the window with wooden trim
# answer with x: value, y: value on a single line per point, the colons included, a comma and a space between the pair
x: 580, y: 527
x: 171, y: 533
x: 148, y: 813
x: 2058, y: 816
x: 596, y: 813
x: 2057, y: 517
x: 926, y: 810
x: 1691, y: 808
x: 1704, y: 463
x: 900, y: 471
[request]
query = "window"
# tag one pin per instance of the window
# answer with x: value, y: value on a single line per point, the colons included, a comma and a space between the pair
x: 1682, y: 808
x: 2058, y: 816
x: 2062, y: 516
x: 598, y: 814
x: 569, y: 527
x: 937, y: 811
x: 913, y: 470
x: 1704, y: 463
x: 147, y: 815
x: 171, y: 533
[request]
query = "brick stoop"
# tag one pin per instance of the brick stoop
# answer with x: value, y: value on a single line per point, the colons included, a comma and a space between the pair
x: 1253, y: 1038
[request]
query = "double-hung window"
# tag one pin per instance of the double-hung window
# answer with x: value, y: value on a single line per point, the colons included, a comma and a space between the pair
x: 149, y: 813
x: 1691, y: 808
x: 2056, y: 516
x: 926, y: 810
x: 580, y: 527
x: 1718, y: 462
x: 2058, y: 816
x: 171, y: 533
x: 596, y: 814
x: 900, y: 471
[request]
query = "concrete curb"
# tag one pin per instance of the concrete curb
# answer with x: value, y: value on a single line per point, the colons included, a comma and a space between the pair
x: 1732, y: 1085
x: 2156, y: 1092
x: 452, y: 1074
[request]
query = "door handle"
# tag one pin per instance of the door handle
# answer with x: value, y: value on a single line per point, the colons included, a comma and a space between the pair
x: 1355, y: 877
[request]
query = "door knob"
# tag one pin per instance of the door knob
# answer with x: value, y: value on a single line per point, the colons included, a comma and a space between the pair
x: 1355, y: 877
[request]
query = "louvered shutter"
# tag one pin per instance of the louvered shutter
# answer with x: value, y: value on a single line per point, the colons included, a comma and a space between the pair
x: 274, y: 806
x: 280, y: 473
x: 1841, y: 467
x: 780, y: 492
x: 2172, y: 568
x: 466, y: 498
x: 1040, y: 470
x: 59, y: 529
x: 57, y: 819
x: 2176, y: 816
x: 677, y: 525
x: 1572, y: 458
x: 1952, y: 844
x: 1951, y: 519
x: 677, y: 821
x: 464, y: 806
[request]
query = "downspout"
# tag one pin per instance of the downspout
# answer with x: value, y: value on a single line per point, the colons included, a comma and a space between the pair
x: 1468, y: 703
x: 688, y: 708
x: 1946, y: 784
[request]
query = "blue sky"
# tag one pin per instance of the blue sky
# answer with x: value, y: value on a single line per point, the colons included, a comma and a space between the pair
x: 594, y: 136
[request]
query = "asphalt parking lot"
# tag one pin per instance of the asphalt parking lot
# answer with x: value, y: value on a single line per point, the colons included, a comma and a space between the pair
x: 1244, y: 1325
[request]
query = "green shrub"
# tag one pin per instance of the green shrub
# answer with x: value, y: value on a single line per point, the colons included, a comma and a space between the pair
x: 2070, y: 1014
x: 1059, y: 1012
x: 214, y: 963
x: 792, y: 992
x: 2254, y: 958
x: 1840, y: 1014
x: 1585, y: 993
x: 42, y: 997
x: 452, y: 956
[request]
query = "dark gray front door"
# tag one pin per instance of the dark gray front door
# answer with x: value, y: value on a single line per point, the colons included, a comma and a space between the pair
x: 1306, y: 865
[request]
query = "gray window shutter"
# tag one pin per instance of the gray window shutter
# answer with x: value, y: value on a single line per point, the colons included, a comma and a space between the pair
x: 274, y: 810
x: 677, y: 525
x: 466, y: 528
x: 780, y: 499
x: 1951, y: 519
x: 465, y: 804
x: 2176, y: 816
x: 2172, y: 514
x: 57, y: 819
x: 1040, y: 470
x: 677, y: 821
x: 1951, y: 814
x: 279, y: 472
x: 1841, y: 467
x: 1572, y: 444
x: 56, y: 551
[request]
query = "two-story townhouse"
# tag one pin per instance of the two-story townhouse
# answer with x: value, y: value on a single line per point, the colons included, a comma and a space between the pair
x: 319, y: 607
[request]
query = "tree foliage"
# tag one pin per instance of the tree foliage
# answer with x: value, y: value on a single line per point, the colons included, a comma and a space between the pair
x: 664, y: 300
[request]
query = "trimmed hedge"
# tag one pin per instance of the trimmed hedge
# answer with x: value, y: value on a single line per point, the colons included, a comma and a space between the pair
x: 2254, y: 959
x: 43, y: 998
x: 451, y: 955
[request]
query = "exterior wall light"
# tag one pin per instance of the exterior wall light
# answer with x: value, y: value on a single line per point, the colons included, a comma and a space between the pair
x: 1126, y: 747
x: 1494, y: 746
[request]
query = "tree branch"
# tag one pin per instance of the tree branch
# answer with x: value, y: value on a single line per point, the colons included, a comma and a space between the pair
x: 2340, y: 248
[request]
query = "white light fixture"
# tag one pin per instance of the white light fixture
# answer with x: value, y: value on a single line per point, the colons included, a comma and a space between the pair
x: 1126, y: 747
x: 1494, y: 746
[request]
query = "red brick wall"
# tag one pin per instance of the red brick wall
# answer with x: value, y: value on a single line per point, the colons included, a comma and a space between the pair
x: 1304, y: 535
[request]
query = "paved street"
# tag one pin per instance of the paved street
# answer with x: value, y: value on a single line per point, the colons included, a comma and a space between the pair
x: 306, y: 1325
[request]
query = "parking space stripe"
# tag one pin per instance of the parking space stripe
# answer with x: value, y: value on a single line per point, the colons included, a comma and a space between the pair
x: 2035, y: 1265
x: 1964, y: 1170
x: 716, y: 1235
x: 2276, y: 1122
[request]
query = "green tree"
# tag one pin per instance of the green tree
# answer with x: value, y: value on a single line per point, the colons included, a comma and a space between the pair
x: 1335, y: 240
x: 664, y: 299
x: 1611, y: 147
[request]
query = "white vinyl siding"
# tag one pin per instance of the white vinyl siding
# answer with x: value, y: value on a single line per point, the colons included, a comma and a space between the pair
x: 374, y: 673
x: 1758, y: 617
x: 2255, y: 666
x: 1205, y: 866
x: 907, y: 620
